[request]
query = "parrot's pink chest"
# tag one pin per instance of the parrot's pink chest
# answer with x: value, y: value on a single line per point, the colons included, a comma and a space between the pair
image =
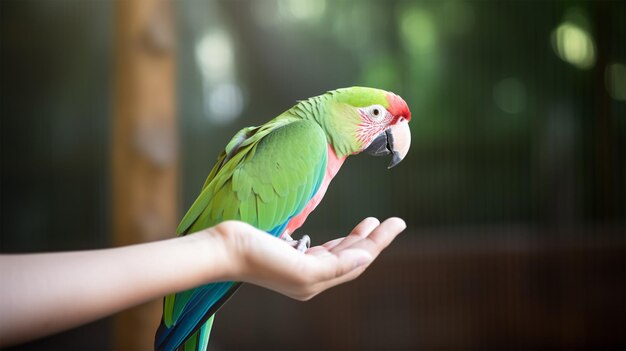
x: 332, y: 167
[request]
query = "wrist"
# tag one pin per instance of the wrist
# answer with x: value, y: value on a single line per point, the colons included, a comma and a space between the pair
x: 225, y: 244
x: 207, y: 253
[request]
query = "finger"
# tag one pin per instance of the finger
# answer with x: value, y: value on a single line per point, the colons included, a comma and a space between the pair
x: 365, y: 227
x: 330, y: 244
x: 362, y: 230
x: 330, y: 266
x: 380, y: 237
x: 384, y: 234
x: 373, y: 244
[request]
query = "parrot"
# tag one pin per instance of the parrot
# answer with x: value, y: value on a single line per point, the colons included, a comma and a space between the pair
x: 273, y: 176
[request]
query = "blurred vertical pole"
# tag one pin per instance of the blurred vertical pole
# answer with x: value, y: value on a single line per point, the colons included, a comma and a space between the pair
x: 144, y: 144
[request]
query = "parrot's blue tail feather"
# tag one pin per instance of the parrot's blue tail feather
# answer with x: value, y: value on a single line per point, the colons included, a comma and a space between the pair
x: 200, y: 309
x: 193, y: 325
x: 200, y: 338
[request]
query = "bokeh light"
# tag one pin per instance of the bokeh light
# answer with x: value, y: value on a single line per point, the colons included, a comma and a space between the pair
x: 417, y: 27
x: 302, y: 10
x: 615, y: 79
x: 574, y: 44
x: 223, y: 97
x: 224, y: 102
x: 214, y: 55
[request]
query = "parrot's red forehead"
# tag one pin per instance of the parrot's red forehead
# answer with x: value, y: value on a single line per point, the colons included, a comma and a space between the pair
x: 398, y: 107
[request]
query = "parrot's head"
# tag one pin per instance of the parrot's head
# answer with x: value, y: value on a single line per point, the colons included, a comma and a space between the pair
x: 368, y: 120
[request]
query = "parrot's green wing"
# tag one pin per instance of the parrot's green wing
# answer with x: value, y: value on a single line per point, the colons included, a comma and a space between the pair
x: 248, y: 136
x: 265, y: 176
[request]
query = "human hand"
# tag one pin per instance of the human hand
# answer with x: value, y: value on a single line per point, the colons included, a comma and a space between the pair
x: 269, y: 262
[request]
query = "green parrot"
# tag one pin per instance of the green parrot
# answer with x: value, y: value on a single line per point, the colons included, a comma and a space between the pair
x: 272, y: 176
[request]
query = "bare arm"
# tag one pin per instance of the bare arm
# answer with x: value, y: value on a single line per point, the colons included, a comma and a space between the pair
x: 46, y: 293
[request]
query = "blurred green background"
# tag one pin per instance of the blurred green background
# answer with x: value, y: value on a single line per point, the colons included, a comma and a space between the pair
x: 513, y: 191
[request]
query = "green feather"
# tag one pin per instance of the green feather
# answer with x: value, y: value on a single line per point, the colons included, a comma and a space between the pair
x: 279, y: 211
x: 192, y: 343
x: 265, y: 214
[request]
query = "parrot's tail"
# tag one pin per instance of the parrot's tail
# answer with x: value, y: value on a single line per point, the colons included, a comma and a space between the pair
x: 198, y: 341
x: 195, y: 319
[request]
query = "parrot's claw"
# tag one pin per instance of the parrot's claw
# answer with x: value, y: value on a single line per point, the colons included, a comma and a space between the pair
x: 301, y: 245
x: 304, y: 243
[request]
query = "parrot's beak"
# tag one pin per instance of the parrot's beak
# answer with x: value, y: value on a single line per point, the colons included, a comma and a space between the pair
x: 395, y: 140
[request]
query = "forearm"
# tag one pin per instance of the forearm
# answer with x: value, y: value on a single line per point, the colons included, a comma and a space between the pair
x: 47, y: 293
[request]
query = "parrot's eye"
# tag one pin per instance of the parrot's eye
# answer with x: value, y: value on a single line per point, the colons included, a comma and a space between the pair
x: 376, y: 112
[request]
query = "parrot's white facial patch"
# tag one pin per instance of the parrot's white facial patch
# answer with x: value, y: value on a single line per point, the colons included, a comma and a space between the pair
x: 375, y: 119
x: 375, y: 113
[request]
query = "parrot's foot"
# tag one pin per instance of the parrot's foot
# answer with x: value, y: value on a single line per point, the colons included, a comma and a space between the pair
x: 301, y: 245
